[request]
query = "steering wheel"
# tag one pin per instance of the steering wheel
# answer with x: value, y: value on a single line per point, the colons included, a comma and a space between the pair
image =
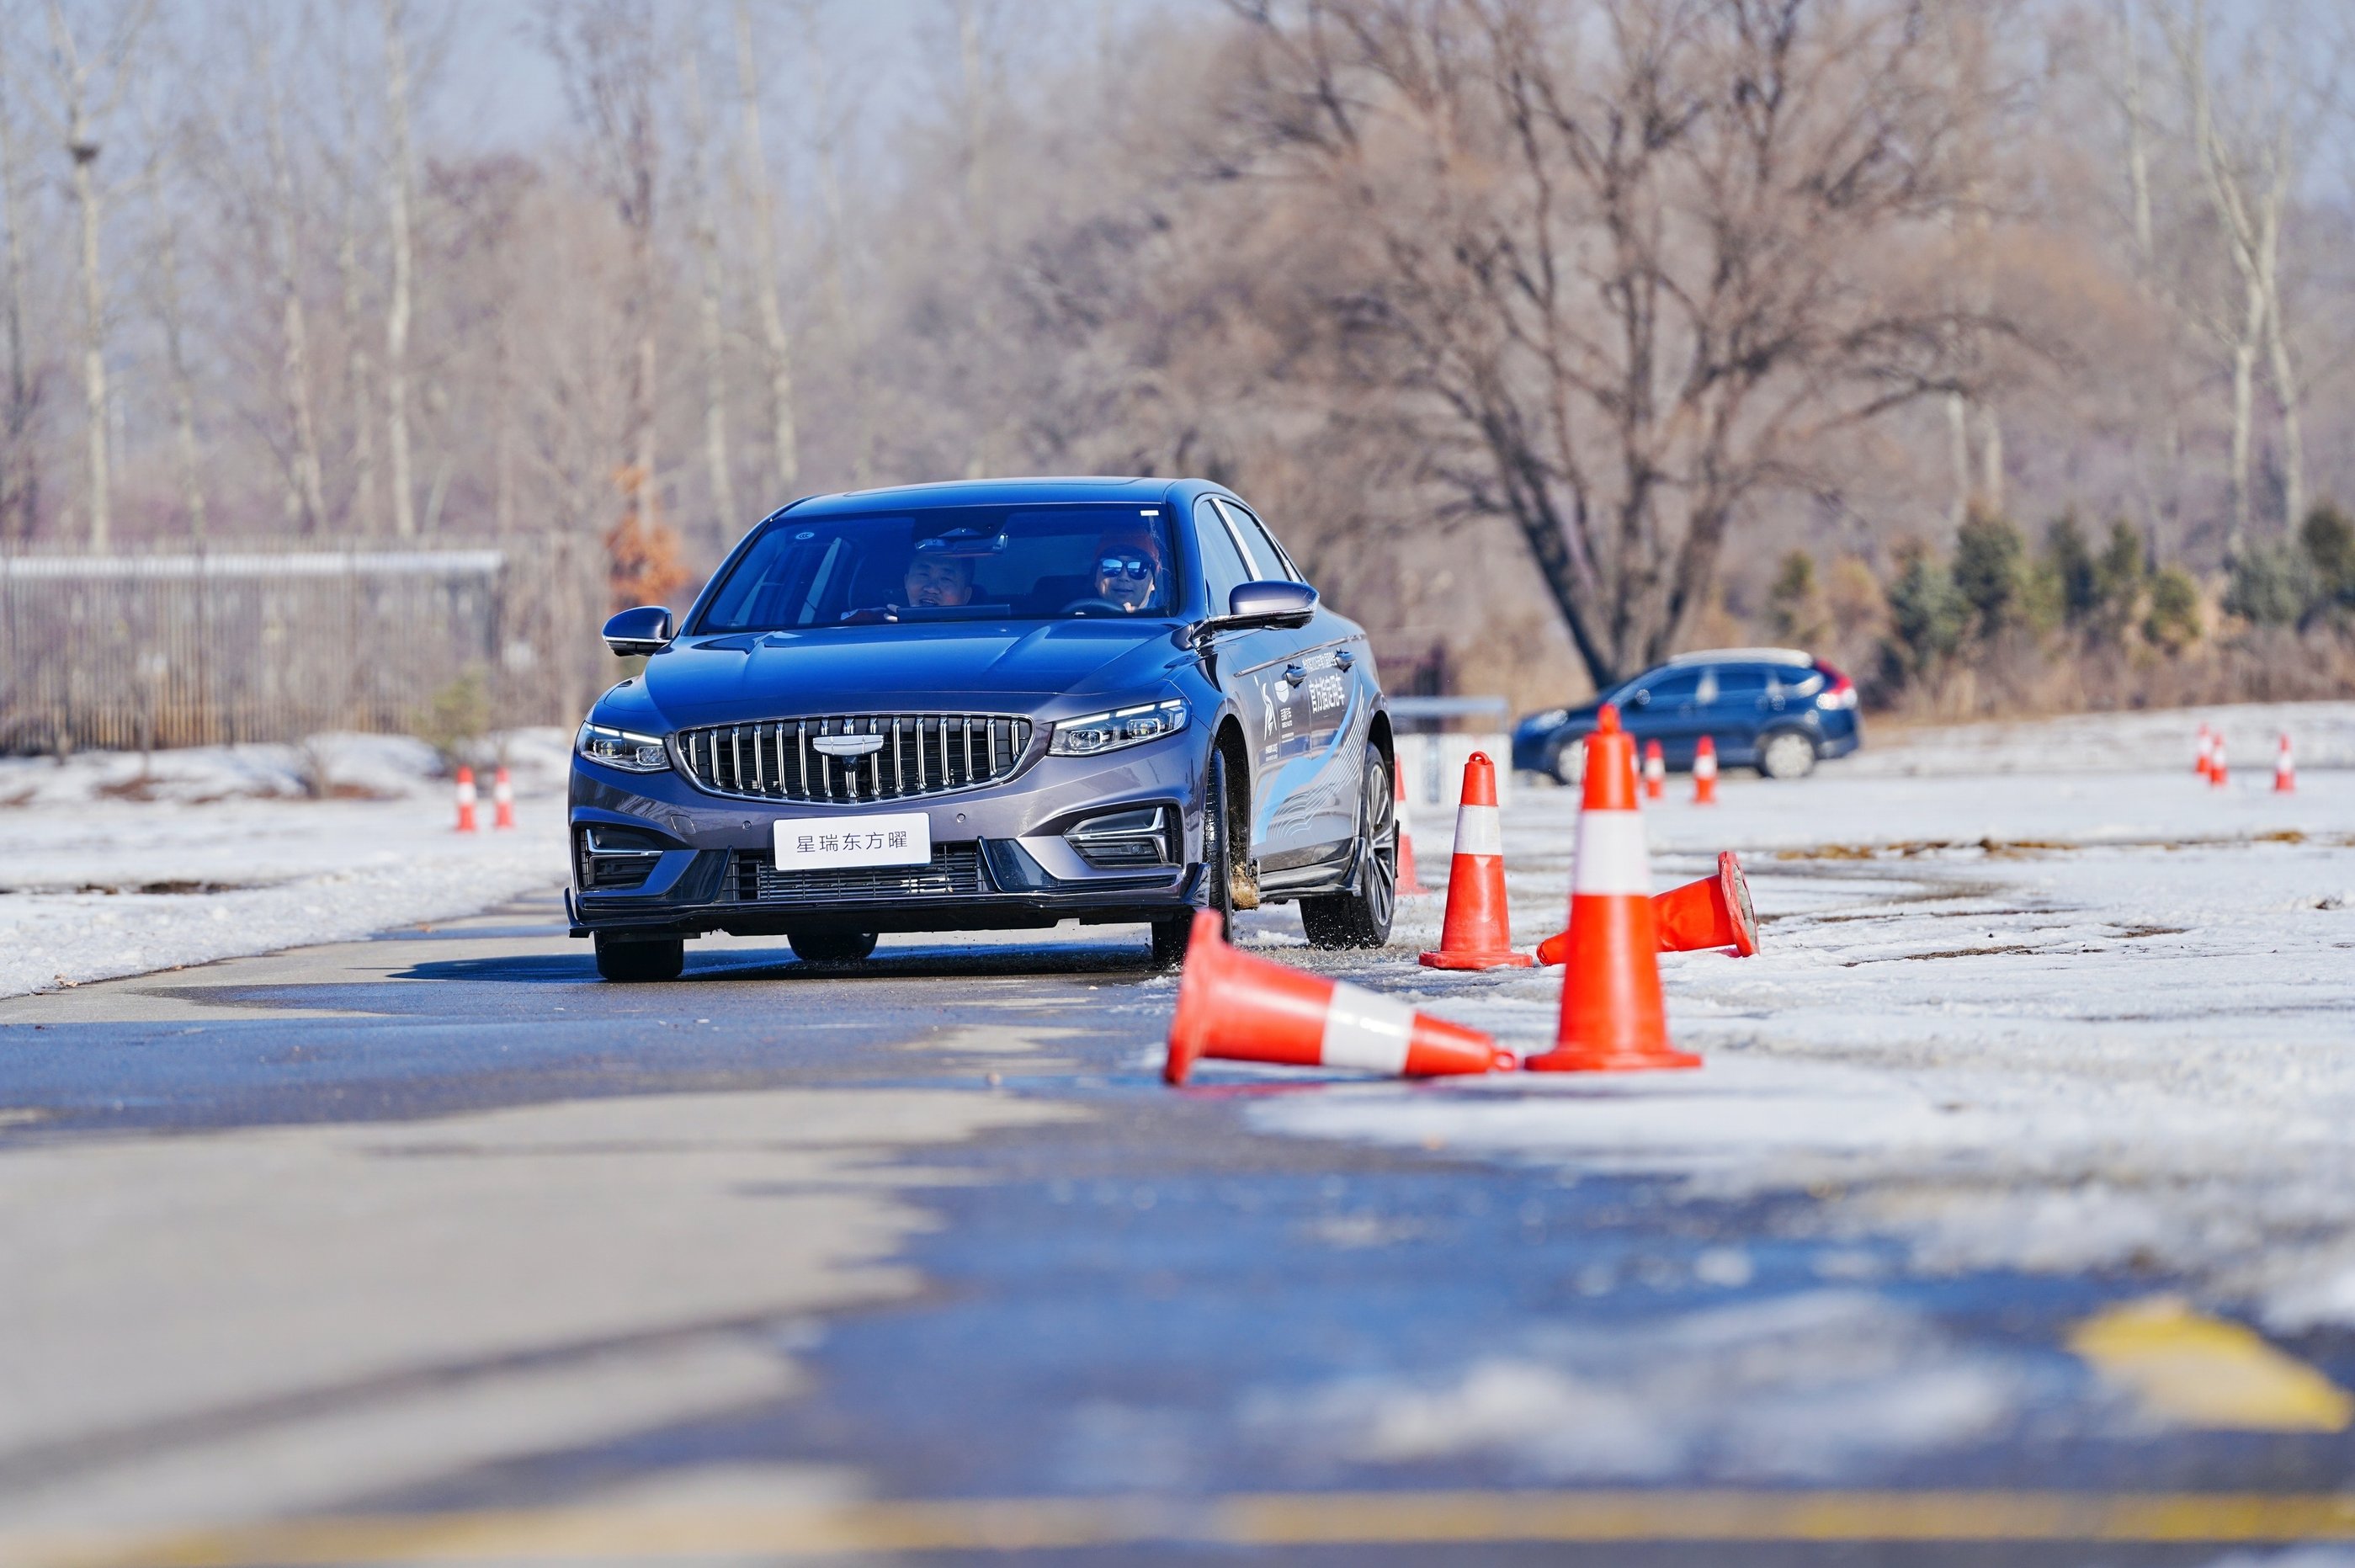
x: 1094, y: 603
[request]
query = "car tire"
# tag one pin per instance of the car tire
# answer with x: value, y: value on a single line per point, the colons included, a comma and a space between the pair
x: 631, y: 961
x: 1570, y: 761
x: 1362, y: 918
x: 830, y: 946
x: 1217, y: 891
x: 1787, y: 754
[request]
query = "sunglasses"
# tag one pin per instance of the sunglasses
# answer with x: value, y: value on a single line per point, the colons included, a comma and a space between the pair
x: 1124, y: 566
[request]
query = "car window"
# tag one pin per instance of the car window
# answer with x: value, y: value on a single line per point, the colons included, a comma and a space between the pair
x: 1678, y: 685
x: 1736, y: 684
x: 1223, y: 567
x: 948, y: 563
x: 1267, y: 556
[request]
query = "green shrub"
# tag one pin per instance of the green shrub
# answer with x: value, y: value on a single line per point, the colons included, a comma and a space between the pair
x: 2069, y: 561
x: 2173, y: 622
x: 2329, y: 540
x: 1990, y: 570
x: 2270, y: 584
x: 1928, y: 615
x: 457, y: 716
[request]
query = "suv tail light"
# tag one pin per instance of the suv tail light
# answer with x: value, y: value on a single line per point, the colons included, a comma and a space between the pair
x: 1839, y: 690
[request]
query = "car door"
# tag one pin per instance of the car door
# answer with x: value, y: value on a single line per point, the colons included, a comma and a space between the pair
x: 1666, y: 708
x: 1739, y: 713
x: 1253, y: 667
x: 1331, y: 675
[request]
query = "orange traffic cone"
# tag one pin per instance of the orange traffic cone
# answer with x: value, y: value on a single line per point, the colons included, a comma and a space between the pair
x: 1613, y: 1017
x: 1714, y: 912
x: 502, y: 799
x: 1705, y: 773
x: 1409, y: 884
x: 2205, y: 766
x: 465, y: 800
x: 1240, y: 1008
x: 2285, y: 770
x: 1476, y: 933
x: 1655, y: 771
x: 2219, y: 773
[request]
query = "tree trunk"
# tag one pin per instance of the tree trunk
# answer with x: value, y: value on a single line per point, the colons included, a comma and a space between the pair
x: 19, y: 466
x: 2244, y: 368
x: 1991, y: 474
x: 1959, y: 451
x: 358, y: 371
x: 2293, y: 433
x: 93, y: 332
x: 397, y: 298
x: 847, y: 348
x: 308, y: 486
x: 784, y: 442
x: 714, y: 345
x: 184, y: 395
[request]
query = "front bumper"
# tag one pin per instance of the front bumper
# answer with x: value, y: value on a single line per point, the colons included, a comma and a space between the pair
x: 1000, y: 859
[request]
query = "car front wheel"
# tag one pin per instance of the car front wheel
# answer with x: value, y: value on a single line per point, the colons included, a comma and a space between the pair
x: 1787, y: 754
x: 631, y: 961
x: 1362, y: 918
x: 1570, y: 760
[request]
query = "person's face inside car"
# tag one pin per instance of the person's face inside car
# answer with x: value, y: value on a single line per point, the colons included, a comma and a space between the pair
x: 940, y: 581
x: 1127, y: 571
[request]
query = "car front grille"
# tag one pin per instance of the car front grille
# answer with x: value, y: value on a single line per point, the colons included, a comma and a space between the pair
x: 918, y: 754
x: 953, y: 869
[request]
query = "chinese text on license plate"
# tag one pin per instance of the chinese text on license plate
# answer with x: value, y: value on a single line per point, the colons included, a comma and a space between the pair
x: 816, y: 844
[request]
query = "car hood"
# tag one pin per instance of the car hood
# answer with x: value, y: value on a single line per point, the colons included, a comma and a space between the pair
x: 1018, y: 665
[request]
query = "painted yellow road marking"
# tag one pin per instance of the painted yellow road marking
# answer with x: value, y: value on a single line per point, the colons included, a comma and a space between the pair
x: 2189, y: 1370
x: 590, y: 1534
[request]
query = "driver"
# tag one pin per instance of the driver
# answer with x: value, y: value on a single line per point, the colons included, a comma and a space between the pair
x: 1129, y: 568
x: 939, y: 581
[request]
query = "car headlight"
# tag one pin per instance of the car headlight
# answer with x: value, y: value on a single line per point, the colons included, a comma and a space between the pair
x: 1093, y: 732
x: 623, y: 749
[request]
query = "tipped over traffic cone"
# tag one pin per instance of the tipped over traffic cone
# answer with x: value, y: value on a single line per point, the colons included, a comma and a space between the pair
x: 2219, y: 773
x: 1613, y: 1017
x: 1237, y: 1007
x: 2285, y: 769
x: 1476, y: 931
x: 2204, y: 767
x: 465, y: 800
x: 1714, y: 912
x: 1705, y: 773
x: 1655, y: 771
x: 502, y: 799
x: 1409, y: 884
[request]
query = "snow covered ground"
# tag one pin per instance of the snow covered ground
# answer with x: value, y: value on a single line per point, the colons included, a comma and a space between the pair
x: 2025, y: 1016
x: 110, y: 866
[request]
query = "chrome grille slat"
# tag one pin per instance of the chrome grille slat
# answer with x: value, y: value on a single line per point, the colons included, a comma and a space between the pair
x: 952, y: 752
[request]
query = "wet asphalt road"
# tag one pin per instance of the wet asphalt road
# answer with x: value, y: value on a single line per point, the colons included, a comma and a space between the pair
x: 1120, y: 1320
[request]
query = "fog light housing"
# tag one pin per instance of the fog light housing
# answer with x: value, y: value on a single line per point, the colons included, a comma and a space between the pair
x: 1138, y: 838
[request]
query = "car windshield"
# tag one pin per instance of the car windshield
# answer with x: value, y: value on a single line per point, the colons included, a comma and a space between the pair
x: 949, y: 563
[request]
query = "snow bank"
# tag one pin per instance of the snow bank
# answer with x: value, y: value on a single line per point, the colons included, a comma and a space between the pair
x: 110, y: 865
x: 2321, y: 733
x: 2043, y: 1020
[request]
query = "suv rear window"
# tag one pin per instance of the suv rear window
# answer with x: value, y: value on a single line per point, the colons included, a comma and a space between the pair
x: 949, y: 563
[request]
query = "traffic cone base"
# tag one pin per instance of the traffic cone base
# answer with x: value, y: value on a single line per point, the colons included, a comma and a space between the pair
x: 1234, y: 1007
x: 1476, y: 931
x: 1714, y: 912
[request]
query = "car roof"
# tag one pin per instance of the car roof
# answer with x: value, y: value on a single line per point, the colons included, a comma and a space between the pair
x: 1742, y: 656
x: 997, y: 493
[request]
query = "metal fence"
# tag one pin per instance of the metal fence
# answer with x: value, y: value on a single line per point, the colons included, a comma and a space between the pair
x: 272, y: 643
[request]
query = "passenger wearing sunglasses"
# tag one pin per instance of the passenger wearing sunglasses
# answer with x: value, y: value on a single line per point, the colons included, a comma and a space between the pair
x: 1128, y: 569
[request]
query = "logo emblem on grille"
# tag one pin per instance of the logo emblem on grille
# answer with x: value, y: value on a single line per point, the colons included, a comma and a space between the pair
x: 849, y: 745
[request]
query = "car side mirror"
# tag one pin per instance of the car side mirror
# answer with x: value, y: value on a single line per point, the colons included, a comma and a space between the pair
x: 644, y: 630
x: 1270, y: 603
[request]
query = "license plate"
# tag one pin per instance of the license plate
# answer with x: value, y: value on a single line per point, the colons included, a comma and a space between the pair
x: 812, y: 844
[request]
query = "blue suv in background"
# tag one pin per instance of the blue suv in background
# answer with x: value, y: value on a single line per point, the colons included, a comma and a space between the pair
x: 1776, y: 709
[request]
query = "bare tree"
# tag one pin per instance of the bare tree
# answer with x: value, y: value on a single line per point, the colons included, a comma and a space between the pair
x: 164, y: 222
x: 84, y: 107
x: 1634, y: 259
x: 20, y: 466
x: 365, y: 514
x: 826, y: 143
x: 714, y: 293
x: 308, y: 488
x: 398, y: 174
x: 2248, y: 156
x: 785, y: 438
x: 611, y: 64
